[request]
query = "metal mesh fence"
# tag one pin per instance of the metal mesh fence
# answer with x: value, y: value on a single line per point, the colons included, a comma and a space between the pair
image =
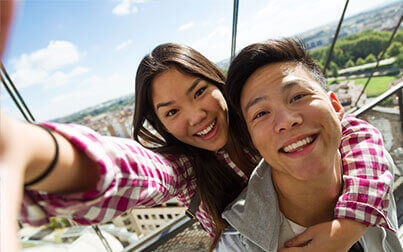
x: 193, y: 238
x: 181, y: 234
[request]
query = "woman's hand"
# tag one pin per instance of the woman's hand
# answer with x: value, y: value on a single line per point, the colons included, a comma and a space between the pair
x: 26, y: 151
x: 337, y: 235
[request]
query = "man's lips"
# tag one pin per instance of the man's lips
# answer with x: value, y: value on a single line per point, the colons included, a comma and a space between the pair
x: 298, y: 143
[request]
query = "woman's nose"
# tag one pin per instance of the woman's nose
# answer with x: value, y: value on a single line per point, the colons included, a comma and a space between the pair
x: 196, y: 116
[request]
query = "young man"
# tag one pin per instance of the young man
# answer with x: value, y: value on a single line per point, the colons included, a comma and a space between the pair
x: 296, y: 126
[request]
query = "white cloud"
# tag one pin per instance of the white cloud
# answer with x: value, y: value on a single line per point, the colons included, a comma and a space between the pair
x: 44, y: 65
x: 60, y: 78
x: 55, y: 55
x: 276, y: 20
x: 95, y: 89
x: 186, y: 26
x: 73, y: 96
x: 216, y: 45
x: 205, y: 23
x: 135, y: 9
x: 125, y: 7
x: 124, y: 45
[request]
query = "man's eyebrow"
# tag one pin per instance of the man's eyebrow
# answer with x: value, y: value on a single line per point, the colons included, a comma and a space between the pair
x: 194, y: 84
x: 286, y: 86
x: 289, y: 85
x: 254, y: 101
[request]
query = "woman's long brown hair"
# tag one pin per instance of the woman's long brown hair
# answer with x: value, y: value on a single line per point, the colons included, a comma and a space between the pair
x: 217, y: 184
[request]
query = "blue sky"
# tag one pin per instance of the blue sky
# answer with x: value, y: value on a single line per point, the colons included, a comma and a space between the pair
x: 66, y: 55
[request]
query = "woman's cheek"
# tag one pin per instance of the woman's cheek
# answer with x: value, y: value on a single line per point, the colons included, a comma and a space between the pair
x: 217, y: 95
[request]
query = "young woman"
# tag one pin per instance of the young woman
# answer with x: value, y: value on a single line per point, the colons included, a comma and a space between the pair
x: 179, y: 92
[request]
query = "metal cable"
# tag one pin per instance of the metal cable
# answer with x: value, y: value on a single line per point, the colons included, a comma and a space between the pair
x: 21, y: 100
x: 234, y: 28
x: 335, y: 38
x: 378, y: 59
x: 12, y: 97
x: 102, y: 238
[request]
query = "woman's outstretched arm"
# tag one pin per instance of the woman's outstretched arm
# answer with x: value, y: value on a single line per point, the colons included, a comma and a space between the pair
x: 29, y: 150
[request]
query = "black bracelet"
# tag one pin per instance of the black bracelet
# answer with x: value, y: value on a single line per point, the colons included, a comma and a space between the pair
x: 54, y: 161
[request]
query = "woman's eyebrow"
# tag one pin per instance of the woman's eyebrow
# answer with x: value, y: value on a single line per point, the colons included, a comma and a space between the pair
x: 190, y: 89
x: 194, y: 84
x: 163, y: 104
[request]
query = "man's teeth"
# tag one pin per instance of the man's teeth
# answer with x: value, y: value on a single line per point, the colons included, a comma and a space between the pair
x: 292, y: 147
x: 206, y: 130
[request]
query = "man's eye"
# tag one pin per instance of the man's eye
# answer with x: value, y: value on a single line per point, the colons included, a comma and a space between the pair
x: 297, y: 97
x: 260, y: 114
x: 171, y: 112
x: 200, y: 92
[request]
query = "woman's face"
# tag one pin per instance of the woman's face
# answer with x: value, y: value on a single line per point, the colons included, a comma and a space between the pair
x: 192, y: 109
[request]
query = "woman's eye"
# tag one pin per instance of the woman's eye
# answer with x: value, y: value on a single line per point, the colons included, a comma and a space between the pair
x: 171, y: 112
x: 297, y: 97
x: 260, y: 114
x: 200, y: 92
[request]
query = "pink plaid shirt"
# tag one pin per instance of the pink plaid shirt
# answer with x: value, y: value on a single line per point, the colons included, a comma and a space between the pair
x: 132, y: 175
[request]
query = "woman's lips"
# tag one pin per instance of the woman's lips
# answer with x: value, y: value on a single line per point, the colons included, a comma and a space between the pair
x: 211, y: 133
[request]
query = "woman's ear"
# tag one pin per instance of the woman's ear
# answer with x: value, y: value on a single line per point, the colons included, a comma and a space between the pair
x: 336, y: 105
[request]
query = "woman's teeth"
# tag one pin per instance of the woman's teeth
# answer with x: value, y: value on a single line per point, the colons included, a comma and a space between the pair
x: 206, y: 130
x: 294, y: 146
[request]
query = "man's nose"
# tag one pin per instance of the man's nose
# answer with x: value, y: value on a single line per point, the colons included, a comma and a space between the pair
x: 286, y: 119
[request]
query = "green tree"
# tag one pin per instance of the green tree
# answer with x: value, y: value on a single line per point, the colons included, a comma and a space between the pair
x: 363, y: 45
x: 399, y: 36
x: 334, y: 69
x: 370, y: 58
x: 350, y: 63
x: 385, y: 56
x: 399, y: 60
x: 339, y: 57
x: 394, y: 49
x: 320, y: 65
x: 360, y: 62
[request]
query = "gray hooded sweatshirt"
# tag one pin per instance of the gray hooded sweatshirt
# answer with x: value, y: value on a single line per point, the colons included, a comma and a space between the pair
x: 257, y: 224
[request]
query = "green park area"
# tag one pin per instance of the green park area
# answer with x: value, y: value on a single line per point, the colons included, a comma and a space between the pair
x: 361, y: 49
x: 376, y: 86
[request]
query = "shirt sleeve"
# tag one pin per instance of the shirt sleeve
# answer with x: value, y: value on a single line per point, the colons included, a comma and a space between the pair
x: 367, y: 175
x: 130, y: 175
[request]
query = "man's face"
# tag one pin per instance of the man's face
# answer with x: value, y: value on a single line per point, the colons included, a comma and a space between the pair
x: 293, y: 123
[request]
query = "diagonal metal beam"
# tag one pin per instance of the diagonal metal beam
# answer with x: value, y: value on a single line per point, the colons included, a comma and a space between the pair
x: 15, y: 90
x: 329, y: 56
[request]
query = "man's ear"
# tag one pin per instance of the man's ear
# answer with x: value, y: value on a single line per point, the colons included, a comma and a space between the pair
x: 336, y: 105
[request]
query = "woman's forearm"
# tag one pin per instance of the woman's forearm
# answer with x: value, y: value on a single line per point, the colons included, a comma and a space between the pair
x: 30, y: 149
x: 10, y: 203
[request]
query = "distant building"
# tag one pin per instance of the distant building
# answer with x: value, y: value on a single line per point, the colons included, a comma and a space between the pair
x: 142, y: 221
